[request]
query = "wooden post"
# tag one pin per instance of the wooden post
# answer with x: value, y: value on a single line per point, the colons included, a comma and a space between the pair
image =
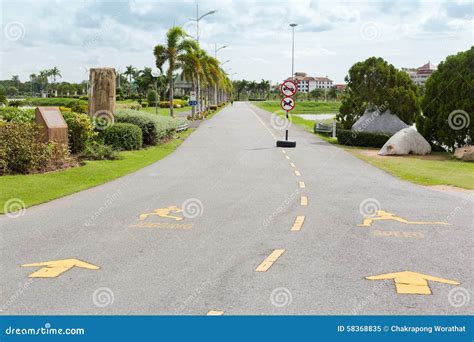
x: 101, y: 91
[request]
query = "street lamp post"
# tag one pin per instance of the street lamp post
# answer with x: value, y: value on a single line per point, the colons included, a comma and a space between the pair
x: 293, y: 51
x: 217, y: 49
x: 286, y: 143
x: 198, y: 18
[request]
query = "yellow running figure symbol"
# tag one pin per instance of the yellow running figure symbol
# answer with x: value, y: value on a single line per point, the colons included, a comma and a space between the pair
x: 164, y: 212
x: 381, y: 215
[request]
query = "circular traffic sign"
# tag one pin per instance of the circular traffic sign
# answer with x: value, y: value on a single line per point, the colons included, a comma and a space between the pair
x: 287, y: 103
x: 288, y: 88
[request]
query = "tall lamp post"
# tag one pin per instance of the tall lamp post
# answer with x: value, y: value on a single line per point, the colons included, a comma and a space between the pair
x: 293, y: 25
x: 217, y: 49
x: 286, y: 142
x: 198, y: 19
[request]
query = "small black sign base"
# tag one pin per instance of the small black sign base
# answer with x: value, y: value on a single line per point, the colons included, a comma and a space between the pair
x: 285, y: 143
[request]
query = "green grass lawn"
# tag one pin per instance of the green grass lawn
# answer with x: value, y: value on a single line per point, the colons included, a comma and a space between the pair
x: 305, y: 107
x: 435, y: 169
x: 39, y: 188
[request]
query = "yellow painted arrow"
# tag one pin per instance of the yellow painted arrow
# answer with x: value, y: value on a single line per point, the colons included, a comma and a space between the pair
x: 408, y: 282
x: 52, y: 269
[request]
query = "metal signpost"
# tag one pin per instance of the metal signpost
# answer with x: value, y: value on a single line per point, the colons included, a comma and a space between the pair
x: 287, y: 103
x: 192, y: 98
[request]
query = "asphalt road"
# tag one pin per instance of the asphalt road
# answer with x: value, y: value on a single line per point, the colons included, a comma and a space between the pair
x: 240, y: 197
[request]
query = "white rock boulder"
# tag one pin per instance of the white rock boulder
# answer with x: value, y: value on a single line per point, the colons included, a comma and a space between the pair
x: 465, y: 153
x: 406, y: 141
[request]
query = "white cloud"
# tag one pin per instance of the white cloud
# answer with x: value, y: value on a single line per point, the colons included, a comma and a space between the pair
x: 77, y: 34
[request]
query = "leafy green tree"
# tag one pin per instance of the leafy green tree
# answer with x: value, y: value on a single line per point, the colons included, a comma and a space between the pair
x: 176, y: 45
x: 316, y: 94
x: 12, y: 91
x: 448, y: 104
x: 375, y: 83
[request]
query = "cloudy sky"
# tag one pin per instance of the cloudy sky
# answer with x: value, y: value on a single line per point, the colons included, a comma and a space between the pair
x: 330, y: 37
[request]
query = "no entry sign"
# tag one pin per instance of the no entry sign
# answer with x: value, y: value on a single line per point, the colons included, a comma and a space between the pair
x: 287, y: 103
x: 288, y: 88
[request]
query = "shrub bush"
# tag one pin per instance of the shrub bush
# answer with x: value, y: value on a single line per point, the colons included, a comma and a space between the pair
x: 18, y: 115
x: 80, y: 131
x: 15, y: 103
x: 79, y: 107
x: 176, y: 103
x: 365, y: 139
x: 98, y: 151
x: 123, y: 136
x: 154, y: 127
x: 152, y: 98
x: 21, y: 150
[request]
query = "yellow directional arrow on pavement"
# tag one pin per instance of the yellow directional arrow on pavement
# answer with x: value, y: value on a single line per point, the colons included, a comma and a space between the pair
x: 412, y: 282
x: 52, y: 269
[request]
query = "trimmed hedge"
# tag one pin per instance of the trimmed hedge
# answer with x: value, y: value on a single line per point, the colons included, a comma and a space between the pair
x: 154, y: 127
x: 364, y: 139
x: 53, y: 102
x: 123, y: 136
x: 19, y: 115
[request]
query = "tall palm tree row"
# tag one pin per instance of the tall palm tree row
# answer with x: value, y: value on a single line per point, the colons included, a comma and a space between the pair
x: 197, y: 67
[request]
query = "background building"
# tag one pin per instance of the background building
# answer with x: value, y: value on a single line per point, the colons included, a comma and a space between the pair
x: 421, y: 74
x: 308, y: 83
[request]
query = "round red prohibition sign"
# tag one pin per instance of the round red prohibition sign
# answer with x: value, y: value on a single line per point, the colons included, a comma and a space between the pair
x: 287, y: 103
x: 288, y: 88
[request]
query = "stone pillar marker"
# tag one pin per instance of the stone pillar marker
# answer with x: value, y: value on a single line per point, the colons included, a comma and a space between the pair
x: 52, y: 124
x: 101, y: 92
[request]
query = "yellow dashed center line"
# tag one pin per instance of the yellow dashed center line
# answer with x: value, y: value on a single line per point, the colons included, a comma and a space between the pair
x: 269, y: 260
x: 298, y: 224
x: 287, y: 157
x: 302, y: 185
x: 283, y: 151
x: 292, y: 165
x: 304, y: 200
x: 297, y: 173
x: 215, y: 313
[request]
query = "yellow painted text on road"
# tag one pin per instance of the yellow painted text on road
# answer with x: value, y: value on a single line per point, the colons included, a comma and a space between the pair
x: 397, y: 234
x: 382, y: 215
x: 408, y: 282
x: 269, y: 260
x: 52, y: 269
x: 215, y: 313
x: 302, y: 185
x: 298, y: 224
x: 162, y: 225
x: 304, y: 200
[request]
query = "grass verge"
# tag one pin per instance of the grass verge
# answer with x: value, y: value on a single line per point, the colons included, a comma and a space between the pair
x: 304, y: 107
x: 436, y: 169
x: 39, y: 188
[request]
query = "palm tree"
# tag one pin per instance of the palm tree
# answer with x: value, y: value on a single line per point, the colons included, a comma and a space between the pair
x: 191, y: 66
x: 130, y: 72
x: 54, y: 72
x: 43, y: 79
x: 176, y: 46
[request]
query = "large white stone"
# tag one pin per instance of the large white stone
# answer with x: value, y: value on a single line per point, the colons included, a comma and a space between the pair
x: 376, y: 122
x: 405, y: 141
